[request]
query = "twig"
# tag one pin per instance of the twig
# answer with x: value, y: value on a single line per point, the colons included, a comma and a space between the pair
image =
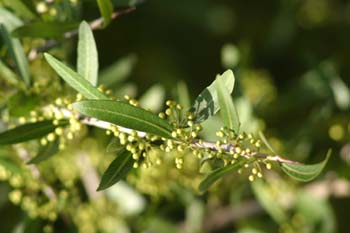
x: 95, y: 24
x: 195, y: 143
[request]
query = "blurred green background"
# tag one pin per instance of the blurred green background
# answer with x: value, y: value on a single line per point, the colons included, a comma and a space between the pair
x: 291, y: 63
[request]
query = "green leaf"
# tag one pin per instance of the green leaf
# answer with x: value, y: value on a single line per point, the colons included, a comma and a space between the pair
x: 125, y: 115
x: 87, y: 54
x: 74, y: 79
x: 341, y: 92
x: 262, y: 192
x: 45, y: 152
x: 28, y: 132
x: 113, y: 145
x: 22, y: 8
x: 27, y: 102
x: 206, y: 104
x: 116, y: 170
x: 10, y: 166
x: 7, y: 74
x: 304, y: 173
x: 7, y: 23
x: 228, y: 110
x: 106, y: 10
x: 267, y: 144
x: 44, y: 29
x: 118, y: 71
x: 217, y: 174
x: 153, y: 98
x: 9, y: 19
x: 183, y: 96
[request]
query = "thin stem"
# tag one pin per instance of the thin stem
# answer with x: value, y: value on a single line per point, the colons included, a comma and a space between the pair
x: 195, y: 143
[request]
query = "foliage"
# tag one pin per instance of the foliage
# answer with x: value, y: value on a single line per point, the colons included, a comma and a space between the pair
x: 86, y: 153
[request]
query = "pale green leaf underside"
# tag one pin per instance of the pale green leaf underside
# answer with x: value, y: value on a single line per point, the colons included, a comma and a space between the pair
x: 117, y: 169
x: 74, y: 79
x: 206, y: 104
x: 304, y: 173
x: 126, y: 115
x: 87, y: 64
x: 45, y: 152
x: 227, y: 108
x: 217, y: 174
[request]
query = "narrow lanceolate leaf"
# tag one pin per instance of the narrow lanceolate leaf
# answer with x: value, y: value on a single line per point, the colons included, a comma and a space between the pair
x: 17, y: 54
x: 106, y: 10
x: 46, y: 152
x: 206, y: 104
x: 21, y: 8
x: 126, y: 115
x: 87, y: 54
x: 74, y: 79
x: 28, y: 132
x: 217, y: 174
x: 7, y: 74
x: 117, y: 170
x: 227, y: 108
x: 118, y: 71
x: 303, y: 172
x: 267, y: 144
x: 44, y: 29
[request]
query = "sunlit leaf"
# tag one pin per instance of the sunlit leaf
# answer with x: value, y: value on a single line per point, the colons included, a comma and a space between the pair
x: 44, y: 29
x: 9, y: 19
x: 125, y: 115
x: 8, y: 22
x: 229, y: 56
x: 118, y: 71
x: 74, y: 79
x: 28, y: 132
x: 7, y: 74
x: 266, y: 200
x: 341, y: 93
x: 9, y: 165
x: 87, y: 64
x: 304, y: 173
x: 22, y: 8
x: 183, y: 97
x: 46, y: 152
x: 206, y: 104
x: 227, y: 108
x: 153, y: 98
x: 219, y: 173
x: 27, y: 102
x: 106, y: 10
x: 116, y: 170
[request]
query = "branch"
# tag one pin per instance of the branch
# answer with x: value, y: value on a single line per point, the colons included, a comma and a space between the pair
x: 195, y: 143
x: 95, y: 24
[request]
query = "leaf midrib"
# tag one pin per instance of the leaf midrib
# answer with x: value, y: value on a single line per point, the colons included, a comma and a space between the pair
x: 27, y: 132
x: 292, y: 169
